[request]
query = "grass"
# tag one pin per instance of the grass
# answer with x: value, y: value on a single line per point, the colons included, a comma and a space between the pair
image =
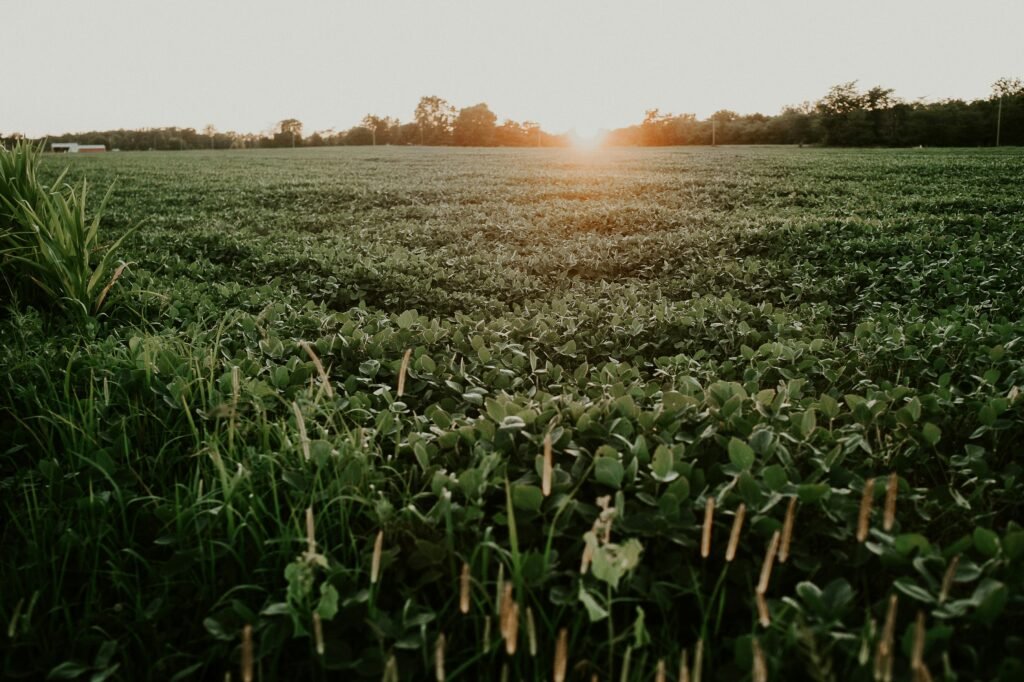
x: 754, y: 407
x: 50, y: 248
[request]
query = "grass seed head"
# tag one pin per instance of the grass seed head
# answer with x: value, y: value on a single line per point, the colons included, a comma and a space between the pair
x: 884, y: 654
x: 763, y: 614
x: 531, y: 632
x: 698, y: 661
x: 247, y: 654
x: 439, y: 658
x: 734, y: 535
x: 684, y: 666
x: 402, y: 371
x: 709, y: 517
x: 310, y: 531
x: 769, y: 560
x: 760, y: 667
x: 318, y: 633
x: 917, y: 651
x: 867, y: 500
x: 891, y: 490
x: 561, y: 655
x: 464, y: 585
x: 324, y: 380
x: 546, y: 476
x: 787, y: 530
x: 378, y: 547
x: 947, y: 578
x: 300, y: 422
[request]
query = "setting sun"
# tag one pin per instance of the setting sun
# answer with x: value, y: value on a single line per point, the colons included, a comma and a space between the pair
x: 586, y: 137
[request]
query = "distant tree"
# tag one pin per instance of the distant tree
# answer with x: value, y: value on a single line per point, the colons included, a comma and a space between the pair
x: 434, y: 116
x: 838, y: 110
x: 1003, y: 89
x: 879, y: 102
x: 380, y: 127
x: 358, y: 135
x: 288, y: 133
x: 475, y: 126
x: 211, y: 133
x: 534, y: 134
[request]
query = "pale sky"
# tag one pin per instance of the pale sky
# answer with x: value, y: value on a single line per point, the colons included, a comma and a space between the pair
x: 75, y: 65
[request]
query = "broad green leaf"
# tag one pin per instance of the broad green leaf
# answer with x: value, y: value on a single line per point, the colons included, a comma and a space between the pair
x: 609, y: 471
x: 812, y: 492
x: 913, y: 590
x: 991, y: 597
x: 662, y: 465
x: 594, y: 610
x: 986, y: 541
x: 740, y: 454
x: 527, y: 497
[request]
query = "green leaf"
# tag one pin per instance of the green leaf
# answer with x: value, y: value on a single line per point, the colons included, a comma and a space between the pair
x: 931, y: 433
x: 612, y: 562
x: 913, y: 590
x: 740, y: 454
x: 774, y: 477
x: 986, y: 541
x: 594, y: 610
x: 1013, y: 544
x: 914, y: 408
x: 812, y: 492
x: 327, y: 607
x: 808, y: 423
x: 527, y: 497
x: 749, y: 489
x: 217, y: 630
x: 609, y: 471
x: 68, y: 670
x: 662, y: 465
x: 908, y: 542
x: 990, y: 596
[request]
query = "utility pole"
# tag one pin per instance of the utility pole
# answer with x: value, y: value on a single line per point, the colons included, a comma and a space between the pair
x: 713, y: 132
x: 999, y: 119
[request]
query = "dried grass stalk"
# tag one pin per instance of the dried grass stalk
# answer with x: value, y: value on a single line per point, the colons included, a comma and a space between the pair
x: 947, y: 578
x: 891, y: 490
x: 545, y: 485
x: 403, y: 370
x: 867, y: 500
x: 247, y: 654
x: 705, y: 538
x: 787, y: 530
x: 561, y: 655
x: 734, y: 535
x: 378, y: 547
x: 769, y: 561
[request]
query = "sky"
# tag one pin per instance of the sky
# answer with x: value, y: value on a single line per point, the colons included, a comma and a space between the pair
x: 243, y: 65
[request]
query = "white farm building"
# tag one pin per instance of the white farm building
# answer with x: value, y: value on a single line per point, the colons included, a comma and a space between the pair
x: 75, y: 148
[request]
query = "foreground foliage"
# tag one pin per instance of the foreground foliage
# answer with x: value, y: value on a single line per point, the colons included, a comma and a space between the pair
x: 323, y: 404
x: 50, y: 250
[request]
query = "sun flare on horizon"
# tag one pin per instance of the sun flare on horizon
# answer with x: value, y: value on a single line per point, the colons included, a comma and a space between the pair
x: 587, y: 137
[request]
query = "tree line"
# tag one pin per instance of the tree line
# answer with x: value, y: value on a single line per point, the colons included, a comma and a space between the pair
x: 848, y: 117
x: 845, y: 116
x: 435, y: 122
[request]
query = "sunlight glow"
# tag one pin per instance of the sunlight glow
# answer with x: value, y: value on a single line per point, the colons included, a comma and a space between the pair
x: 586, y: 137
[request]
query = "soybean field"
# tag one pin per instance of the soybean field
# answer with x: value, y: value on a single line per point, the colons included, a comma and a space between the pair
x: 391, y: 413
